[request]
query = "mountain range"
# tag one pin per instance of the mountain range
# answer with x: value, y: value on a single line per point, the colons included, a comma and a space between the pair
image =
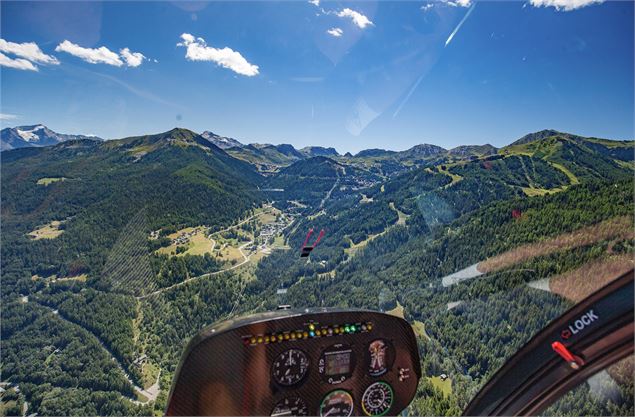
x: 268, y: 158
x: 36, y: 135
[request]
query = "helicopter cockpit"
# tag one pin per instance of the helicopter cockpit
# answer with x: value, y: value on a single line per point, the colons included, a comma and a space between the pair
x: 323, y: 362
x: 335, y: 362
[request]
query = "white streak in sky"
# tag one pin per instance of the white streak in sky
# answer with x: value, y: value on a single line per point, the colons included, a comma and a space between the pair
x: 405, y: 100
x: 456, y: 29
x: 140, y: 93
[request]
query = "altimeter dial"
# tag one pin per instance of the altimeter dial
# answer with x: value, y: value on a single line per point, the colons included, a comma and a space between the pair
x: 377, y: 399
x: 290, y: 367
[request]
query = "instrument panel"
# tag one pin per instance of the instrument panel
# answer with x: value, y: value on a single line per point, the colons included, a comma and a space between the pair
x: 323, y: 362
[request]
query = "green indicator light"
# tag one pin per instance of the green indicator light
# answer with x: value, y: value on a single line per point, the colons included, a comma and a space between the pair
x: 352, y: 328
x: 347, y: 329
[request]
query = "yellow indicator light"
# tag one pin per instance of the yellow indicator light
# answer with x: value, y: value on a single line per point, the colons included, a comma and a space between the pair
x: 260, y: 339
x: 267, y: 339
x: 341, y: 330
x: 311, y: 326
x: 369, y: 326
x: 286, y: 336
x: 305, y: 334
x: 336, y: 330
x: 280, y: 337
x: 253, y: 340
x: 324, y: 332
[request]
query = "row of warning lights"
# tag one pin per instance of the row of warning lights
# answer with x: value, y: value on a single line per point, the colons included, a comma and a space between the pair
x: 311, y: 333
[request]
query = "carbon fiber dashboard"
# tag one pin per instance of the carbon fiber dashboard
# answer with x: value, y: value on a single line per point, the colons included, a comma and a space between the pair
x: 312, y: 362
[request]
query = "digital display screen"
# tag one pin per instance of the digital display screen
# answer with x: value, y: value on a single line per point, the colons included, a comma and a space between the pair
x: 338, y: 362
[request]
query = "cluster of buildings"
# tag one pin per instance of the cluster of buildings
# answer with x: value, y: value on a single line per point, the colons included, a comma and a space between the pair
x: 181, y: 239
x: 357, y: 182
x: 184, y: 238
x: 271, y: 229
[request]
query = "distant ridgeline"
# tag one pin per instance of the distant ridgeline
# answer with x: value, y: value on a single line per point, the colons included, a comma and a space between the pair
x: 115, y: 252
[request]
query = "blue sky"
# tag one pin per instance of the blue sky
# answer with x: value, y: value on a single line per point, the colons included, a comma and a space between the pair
x: 352, y: 75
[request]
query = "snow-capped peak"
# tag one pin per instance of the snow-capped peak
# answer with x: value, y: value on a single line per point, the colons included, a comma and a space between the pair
x: 35, y: 135
x: 27, y: 135
x: 221, y: 141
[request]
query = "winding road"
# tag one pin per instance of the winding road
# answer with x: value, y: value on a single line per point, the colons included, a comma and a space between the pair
x: 246, y: 258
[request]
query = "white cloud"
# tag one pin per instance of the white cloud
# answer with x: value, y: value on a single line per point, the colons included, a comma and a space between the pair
x: 458, y: 3
x: 103, y: 55
x: 133, y: 59
x: 100, y: 55
x: 27, y: 50
x: 337, y: 32
x: 17, y: 63
x: 197, y: 50
x: 5, y: 116
x: 358, y: 19
x: 427, y: 7
x: 564, y: 5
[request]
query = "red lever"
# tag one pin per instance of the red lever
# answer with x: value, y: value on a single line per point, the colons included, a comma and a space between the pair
x: 574, y: 361
x: 306, y: 240
x: 318, y: 238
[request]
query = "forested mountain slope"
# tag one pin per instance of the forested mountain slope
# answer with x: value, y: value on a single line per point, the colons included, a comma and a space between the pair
x: 75, y: 222
x: 311, y: 182
x: 576, y: 156
x: 95, y: 188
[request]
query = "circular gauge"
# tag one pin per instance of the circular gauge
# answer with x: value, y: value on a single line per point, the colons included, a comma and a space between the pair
x: 292, y: 406
x: 290, y: 367
x: 380, y: 356
x: 377, y: 399
x: 336, y: 363
x: 338, y: 403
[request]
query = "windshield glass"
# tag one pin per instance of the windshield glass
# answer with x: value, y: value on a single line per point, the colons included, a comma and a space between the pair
x: 465, y: 165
